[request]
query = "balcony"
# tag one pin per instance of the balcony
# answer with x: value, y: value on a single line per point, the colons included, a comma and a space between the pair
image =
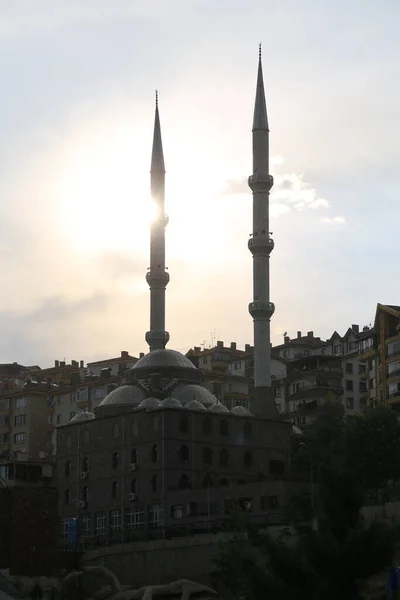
x: 394, y: 374
x: 319, y: 387
x: 367, y: 352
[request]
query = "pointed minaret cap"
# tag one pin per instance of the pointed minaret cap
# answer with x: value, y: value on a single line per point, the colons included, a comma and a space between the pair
x: 157, y: 155
x: 260, y: 120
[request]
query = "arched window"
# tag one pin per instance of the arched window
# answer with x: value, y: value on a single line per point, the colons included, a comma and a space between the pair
x: 85, y: 464
x: 183, y: 453
x: 207, y: 456
x: 224, y: 483
x: 68, y: 441
x: 116, y: 430
x: 84, y: 494
x: 154, y: 453
x: 134, y: 486
x: 207, y: 481
x: 247, y: 430
x: 114, y: 489
x: 154, y: 483
x: 184, y: 483
x: 135, y: 427
x: 134, y: 456
x: 86, y: 437
x: 207, y: 426
x: 223, y: 427
x: 156, y: 423
x: 184, y: 425
x: 223, y: 458
x: 68, y: 468
x: 67, y: 496
x: 247, y: 460
x: 115, y: 460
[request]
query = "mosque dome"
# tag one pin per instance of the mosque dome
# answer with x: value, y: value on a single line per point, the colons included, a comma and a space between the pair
x: 218, y: 408
x: 185, y: 392
x: 241, y: 411
x: 149, y: 404
x: 195, y: 405
x: 82, y: 416
x: 163, y: 358
x: 170, y: 403
x: 123, y: 395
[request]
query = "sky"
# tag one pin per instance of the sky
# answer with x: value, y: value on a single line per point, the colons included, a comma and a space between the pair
x: 77, y: 84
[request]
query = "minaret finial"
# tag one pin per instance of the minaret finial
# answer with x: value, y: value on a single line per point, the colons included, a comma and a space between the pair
x: 259, y: 51
x: 156, y: 98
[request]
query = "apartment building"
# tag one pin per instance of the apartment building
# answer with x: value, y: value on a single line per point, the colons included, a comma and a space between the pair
x: 386, y: 343
x: 117, y: 366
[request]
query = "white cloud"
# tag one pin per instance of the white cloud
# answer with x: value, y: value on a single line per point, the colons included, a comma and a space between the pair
x: 333, y: 220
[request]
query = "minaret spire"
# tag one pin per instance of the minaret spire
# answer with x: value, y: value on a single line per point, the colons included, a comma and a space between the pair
x: 157, y: 277
x: 261, y: 245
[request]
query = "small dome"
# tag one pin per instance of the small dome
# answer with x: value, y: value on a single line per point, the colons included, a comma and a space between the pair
x: 241, y: 411
x: 195, y: 405
x: 218, y: 408
x: 296, y: 430
x: 163, y: 358
x: 170, y: 403
x: 125, y: 394
x: 82, y: 416
x: 185, y: 392
x: 149, y: 404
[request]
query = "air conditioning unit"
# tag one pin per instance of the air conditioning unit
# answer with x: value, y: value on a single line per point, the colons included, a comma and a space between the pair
x: 84, y: 474
x: 133, y: 466
x: 82, y: 504
x: 132, y: 497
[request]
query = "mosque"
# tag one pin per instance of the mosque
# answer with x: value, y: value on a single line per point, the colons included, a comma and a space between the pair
x: 160, y: 452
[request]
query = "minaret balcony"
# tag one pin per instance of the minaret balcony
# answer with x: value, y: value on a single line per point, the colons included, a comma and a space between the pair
x: 157, y: 278
x: 260, y: 309
x: 157, y: 340
x: 260, y: 182
x: 260, y: 243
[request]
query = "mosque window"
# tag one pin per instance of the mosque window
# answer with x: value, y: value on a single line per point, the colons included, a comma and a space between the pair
x: 184, y: 482
x: 207, y: 426
x: 86, y: 436
x: 114, y: 489
x: 85, y: 464
x: 223, y: 457
x: 116, y: 430
x: 154, y: 453
x: 184, y: 425
x: 134, y: 456
x: 68, y: 441
x: 135, y: 427
x: 247, y: 430
x: 156, y: 423
x: 223, y: 427
x: 207, y: 455
x: 67, y: 469
x: 276, y: 467
x: 84, y: 494
x: 67, y: 496
x: 154, y: 483
x: 247, y: 460
x: 115, y: 460
x: 134, y: 486
x: 183, y: 453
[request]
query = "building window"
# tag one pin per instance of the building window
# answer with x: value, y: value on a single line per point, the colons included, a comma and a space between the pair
x: 207, y: 426
x: 67, y: 468
x: 64, y: 529
x: 20, y: 420
x: 156, y: 423
x: 154, y: 483
x: 115, y: 521
x: 68, y: 441
x: 247, y: 430
x: 85, y: 464
x: 86, y: 437
x: 154, y: 453
x: 58, y: 419
x: 20, y: 402
x: 223, y: 458
x: 178, y: 511
x: 207, y: 456
x: 238, y: 366
x: 336, y: 349
x: 269, y: 502
x: 184, y: 483
x: 134, y: 486
x: 84, y: 494
x: 115, y: 460
x: 101, y: 523
x: 372, y: 383
x: 223, y: 427
x: 19, y: 438
x: 184, y: 425
x: 115, y: 430
x: 349, y: 385
x: 156, y: 515
x: 114, y: 489
x: 362, y: 368
x: 4, y: 403
x: 135, y: 517
x: 205, y: 360
x: 350, y: 403
x: 135, y: 427
x: 276, y: 467
x: 193, y: 509
x: 224, y: 482
x: 277, y: 392
x: 67, y: 496
x: 247, y: 460
x: 286, y: 353
x: 349, y: 368
x: 183, y: 453
x: 86, y: 526
x: 134, y: 456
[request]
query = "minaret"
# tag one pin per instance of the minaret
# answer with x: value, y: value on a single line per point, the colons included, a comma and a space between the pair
x: 157, y: 277
x: 261, y: 245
